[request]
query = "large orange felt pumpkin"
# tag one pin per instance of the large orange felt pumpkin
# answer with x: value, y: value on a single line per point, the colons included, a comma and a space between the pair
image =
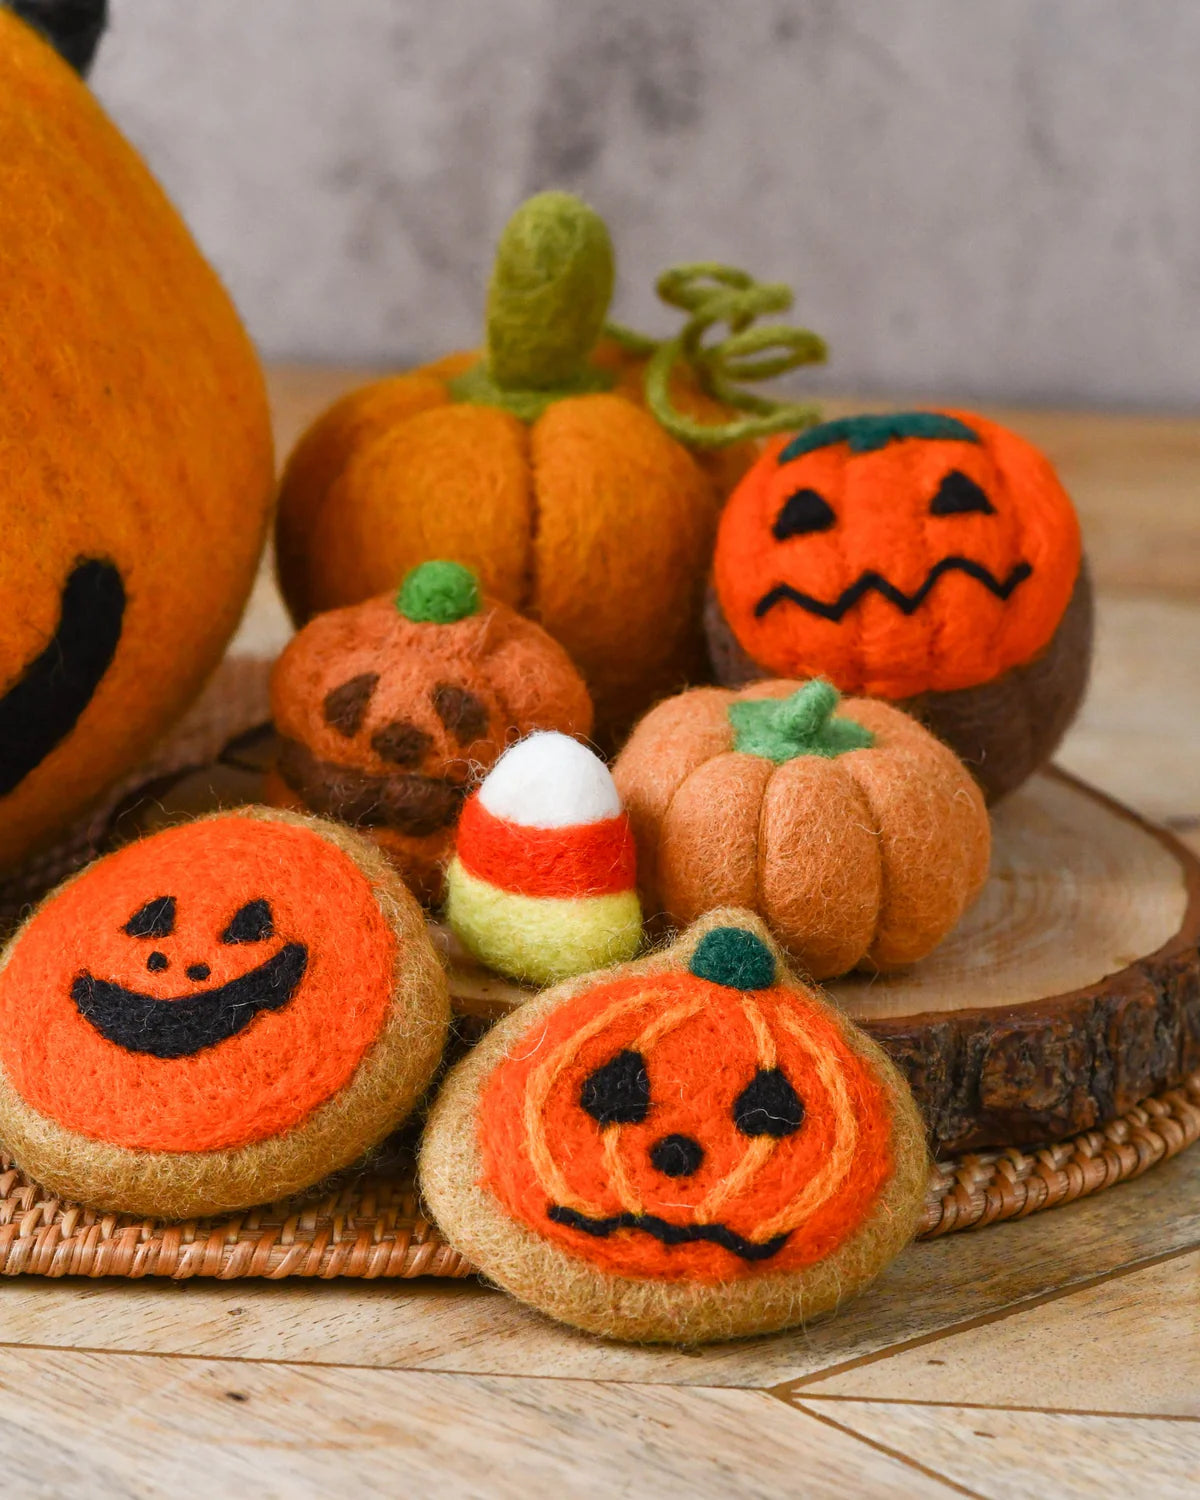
x: 135, y: 446
x: 387, y: 710
x: 539, y: 467
x: 930, y: 558
x: 693, y: 1146
x: 216, y: 1016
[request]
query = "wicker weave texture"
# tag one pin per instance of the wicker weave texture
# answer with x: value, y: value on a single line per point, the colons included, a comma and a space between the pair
x: 371, y: 1225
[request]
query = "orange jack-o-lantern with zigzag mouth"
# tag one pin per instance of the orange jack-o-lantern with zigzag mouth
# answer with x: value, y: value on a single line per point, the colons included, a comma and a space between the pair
x: 698, y: 1126
x: 929, y: 558
x: 216, y: 1015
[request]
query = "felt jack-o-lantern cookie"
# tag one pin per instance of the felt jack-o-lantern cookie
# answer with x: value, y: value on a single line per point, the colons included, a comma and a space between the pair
x: 385, y: 710
x: 859, y: 837
x: 929, y: 558
x: 216, y: 1016
x: 542, y: 884
x: 135, y: 442
x: 694, y: 1146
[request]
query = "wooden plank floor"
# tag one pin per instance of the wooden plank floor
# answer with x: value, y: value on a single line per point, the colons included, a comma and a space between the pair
x: 1058, y: 1356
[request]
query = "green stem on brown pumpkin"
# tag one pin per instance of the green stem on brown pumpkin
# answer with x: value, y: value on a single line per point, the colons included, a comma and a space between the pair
x: 782, y: 729
x: 548, y: 299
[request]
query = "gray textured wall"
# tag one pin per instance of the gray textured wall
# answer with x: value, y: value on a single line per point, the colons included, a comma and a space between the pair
x: 993, y: 198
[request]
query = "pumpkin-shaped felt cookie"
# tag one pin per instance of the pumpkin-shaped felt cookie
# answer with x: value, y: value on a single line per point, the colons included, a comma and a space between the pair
x: 540, y: 465
x: 693, y: 1146
x: 385, y: 710
x: 135, y: 444
x: 216, y: 1016
x: 929, y: 558
x: 859, y: 837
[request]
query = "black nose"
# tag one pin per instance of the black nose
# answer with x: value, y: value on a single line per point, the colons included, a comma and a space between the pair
x: 676, y: 1155
x: 197, y: 971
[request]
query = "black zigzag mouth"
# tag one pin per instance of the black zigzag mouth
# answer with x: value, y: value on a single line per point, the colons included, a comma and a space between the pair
x: 669, y: 1234
x: 185, y: 1026
x: 44, y: 704
x: 907, y: 604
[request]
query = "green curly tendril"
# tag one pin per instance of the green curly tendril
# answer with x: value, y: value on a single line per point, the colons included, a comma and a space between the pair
x: 712, y: 294
x: 547, y: 303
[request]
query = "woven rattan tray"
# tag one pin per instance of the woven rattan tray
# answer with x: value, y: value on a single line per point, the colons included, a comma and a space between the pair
x: 368, y: 1223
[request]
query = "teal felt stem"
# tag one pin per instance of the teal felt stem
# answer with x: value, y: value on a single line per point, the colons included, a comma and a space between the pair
x: 782, y: 729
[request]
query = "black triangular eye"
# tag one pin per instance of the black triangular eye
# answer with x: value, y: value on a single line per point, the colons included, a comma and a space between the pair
x: 959, y: 496
x: 155, y: 920
x: 251, y: 923
x: 619, y: 1092
x: 803, y: 512
x: 768, y: 1105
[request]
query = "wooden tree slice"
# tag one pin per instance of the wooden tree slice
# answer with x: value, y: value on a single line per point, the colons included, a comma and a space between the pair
x: 1068, y: 993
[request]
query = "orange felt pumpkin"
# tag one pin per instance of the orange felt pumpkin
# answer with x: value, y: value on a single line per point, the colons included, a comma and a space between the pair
x: 539, y: 467
x: 216, y: 1016
x: 693, y: 1146
x: 387, y: 709
x: 857, y: 836
x: 135, y: 445
x: 930, y: 558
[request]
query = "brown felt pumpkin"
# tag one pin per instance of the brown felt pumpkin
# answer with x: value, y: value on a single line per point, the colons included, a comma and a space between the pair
x: 930, y: 558
x: 857, y: 836
x: 540, y: 467
x: 694, y: 1146
x: 135, y: 444
x: 386, y: 709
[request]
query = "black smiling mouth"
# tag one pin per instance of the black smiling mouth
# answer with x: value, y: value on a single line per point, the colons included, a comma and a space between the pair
x: 44, y: 704
x: 907, y: 604
x: 184, y: 1026
x: 669, y: 1234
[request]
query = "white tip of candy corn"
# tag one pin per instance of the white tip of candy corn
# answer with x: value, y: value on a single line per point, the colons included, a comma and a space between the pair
x: 549, y: 780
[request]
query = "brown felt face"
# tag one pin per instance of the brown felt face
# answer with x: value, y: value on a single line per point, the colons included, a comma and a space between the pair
x: 389, y: 720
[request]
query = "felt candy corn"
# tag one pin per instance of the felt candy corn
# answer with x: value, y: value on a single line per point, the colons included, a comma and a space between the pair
x: 543, y: 880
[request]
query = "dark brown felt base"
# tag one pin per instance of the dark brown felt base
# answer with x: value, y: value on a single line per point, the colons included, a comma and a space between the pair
x: 1003, y: 730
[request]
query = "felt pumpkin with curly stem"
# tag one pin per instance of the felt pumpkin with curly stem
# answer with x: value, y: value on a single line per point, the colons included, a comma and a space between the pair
x: 565, y: 467
x: 929, y: 558
x: 858, y: 837
x: 135, y: 444
x: 385, y: 711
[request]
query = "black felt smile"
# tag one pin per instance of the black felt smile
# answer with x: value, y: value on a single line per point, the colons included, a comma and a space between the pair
x: 907, y: 604
x: 44, y: 704
x: 669, y: 1234
x: 183, y: 1026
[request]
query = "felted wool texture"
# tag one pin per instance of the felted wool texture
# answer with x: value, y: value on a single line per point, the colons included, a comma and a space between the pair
x: 492, y: 1121
x: 72, y: 27
x: 297, y: 1093
x: 540, y: 939
x: 548, y: 780
x: 591, y: 520
x: 948, y: 561
x: 582, y: 859
x: 384, y: 721
x: 865, y: 860
x: 136, y: 435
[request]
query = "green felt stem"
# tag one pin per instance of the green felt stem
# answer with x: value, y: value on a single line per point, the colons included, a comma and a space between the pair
x: 782, y: 729
x: 548, y: 299
x: 551, y: 284
x: 439, y: 592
